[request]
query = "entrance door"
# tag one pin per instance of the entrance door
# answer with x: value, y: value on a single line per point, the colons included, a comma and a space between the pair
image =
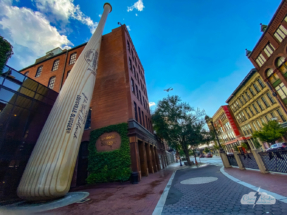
x: 82, y: 172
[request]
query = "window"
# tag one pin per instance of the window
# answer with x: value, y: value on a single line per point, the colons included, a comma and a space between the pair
x: 272, y: 77
x: 73, y: 58
x: 140, y: 115
x: 39, y: 71
x: 251, y: 111
x: 244, y: 98
x: 137, y: 92
x: 132, y: 54
x: 262, y: 120
x: 140, y: 95
x: 147, y: 125
x: 269, y: 49
x: 255, y: 108
x: 281, y: 90
x: 260, y: 60
x: 281, y: 115
x: 136, y: 114
x: 264, y: 101
x: 241, y: 101
x: 259, y: 104
x: 237, y: 104
x: 258, y: 123
x: 252, y: 92
x: 56, y: 65
x: 248, y: 96
x: 256, y: 88
x: 130, y: 64
x: 247, y: 114
x: 26, y: 73
x: 128, y: 45
x: 273, y: 115
x: 88, y: 122
x: 254, y: 125
x: 52, y: 82
x: 133, y: 85
x: 280, y: 33
x: 143, y: 118
x: 270, y: 98
x: 267, y: 118
x: 243, y: 116
x: 261, y: 83
x: 281, y: 65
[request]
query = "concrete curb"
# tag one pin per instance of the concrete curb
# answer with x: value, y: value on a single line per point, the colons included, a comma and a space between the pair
x: 159, y: 207
x: 275, y: 195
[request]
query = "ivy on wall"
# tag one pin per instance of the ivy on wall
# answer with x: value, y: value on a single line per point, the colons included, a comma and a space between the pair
x: 109, y: 166
x: 5, y: 52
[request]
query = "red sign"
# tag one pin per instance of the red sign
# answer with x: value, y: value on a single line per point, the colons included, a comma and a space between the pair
x: 231, y: 120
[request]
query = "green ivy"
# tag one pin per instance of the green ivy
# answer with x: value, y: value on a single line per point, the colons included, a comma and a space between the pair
x: 109, y: 166
x: 5, y: 52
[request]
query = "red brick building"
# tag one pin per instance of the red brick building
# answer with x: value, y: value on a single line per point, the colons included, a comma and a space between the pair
x: 270, y: 53
x: 119, y: 96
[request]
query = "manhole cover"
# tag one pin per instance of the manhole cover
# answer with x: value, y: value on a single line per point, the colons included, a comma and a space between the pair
x: 199, y: 180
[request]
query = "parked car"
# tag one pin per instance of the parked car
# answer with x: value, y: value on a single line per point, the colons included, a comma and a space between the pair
x: 202, y: 156
x: 209, y: 155
x: 277, y: 146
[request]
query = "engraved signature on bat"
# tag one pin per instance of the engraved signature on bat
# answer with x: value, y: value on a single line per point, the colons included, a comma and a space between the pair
x: 91, y: 57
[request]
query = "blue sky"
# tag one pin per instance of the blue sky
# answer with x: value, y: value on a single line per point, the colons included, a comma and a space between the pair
x: 196, y: 47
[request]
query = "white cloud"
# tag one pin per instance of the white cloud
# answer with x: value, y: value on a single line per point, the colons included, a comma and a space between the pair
x: 138, y: 6
x: 63, y: 10
x: 151, y: 104
x: 30, y: 34
x: 136, y: 14
x: 100, y: 15
x: 128, y: 27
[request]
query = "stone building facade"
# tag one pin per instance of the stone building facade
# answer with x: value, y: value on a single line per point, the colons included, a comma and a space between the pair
x: 120, y: 96
x: 253, y: 104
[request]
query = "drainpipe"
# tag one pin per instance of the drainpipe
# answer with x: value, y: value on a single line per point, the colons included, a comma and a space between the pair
x: 64, y: 70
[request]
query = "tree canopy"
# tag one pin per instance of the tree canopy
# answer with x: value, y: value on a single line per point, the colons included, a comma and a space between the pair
x: 270, y: 132
x: 179, y: 124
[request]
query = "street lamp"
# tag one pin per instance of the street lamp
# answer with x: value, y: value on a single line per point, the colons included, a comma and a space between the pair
x: 220, y: 147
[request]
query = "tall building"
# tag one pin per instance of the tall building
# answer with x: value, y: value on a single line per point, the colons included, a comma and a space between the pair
x: 269, y: 55
x: 253, y: 104
x: 120, y: 96
x: 227, y: 128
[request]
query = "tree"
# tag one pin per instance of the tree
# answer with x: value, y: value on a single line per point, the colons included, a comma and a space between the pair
x: 179, y: 124
x: 206, y: 150
x: 270, y: 132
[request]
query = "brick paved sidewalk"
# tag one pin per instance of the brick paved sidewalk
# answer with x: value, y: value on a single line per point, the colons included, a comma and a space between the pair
x: 121, y: 198
x: 272, y: 182
x: 218, y: 197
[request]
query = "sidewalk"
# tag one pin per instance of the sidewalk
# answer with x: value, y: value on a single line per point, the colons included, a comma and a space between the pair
x: 121, y: 198
x: 275, y: 183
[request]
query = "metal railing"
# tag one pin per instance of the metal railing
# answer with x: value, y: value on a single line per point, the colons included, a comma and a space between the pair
x: 232, y: 160
x: 275, y: 161
x: 248, y: 161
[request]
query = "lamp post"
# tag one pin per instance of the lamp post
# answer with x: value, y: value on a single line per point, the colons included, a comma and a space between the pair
x: 220, y: 147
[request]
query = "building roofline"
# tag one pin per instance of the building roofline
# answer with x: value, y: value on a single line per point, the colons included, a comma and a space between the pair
x: 243, y: 82
x: 53, y: 56
x: 281, y: 4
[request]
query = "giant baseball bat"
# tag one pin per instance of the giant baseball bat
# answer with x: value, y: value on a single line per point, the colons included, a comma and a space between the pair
x: 49, y: 171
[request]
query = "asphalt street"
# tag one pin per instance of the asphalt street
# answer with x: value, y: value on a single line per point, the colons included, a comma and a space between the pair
x: 219, y: 196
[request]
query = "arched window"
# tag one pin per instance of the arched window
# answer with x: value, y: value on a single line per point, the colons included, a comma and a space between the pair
x: 73, y: 58
x: 55, y: 65
x: 39, y: 71
x: 26, y: 73
x: 281, y: 65
x: 272, y: 77
x: 52, y: 82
